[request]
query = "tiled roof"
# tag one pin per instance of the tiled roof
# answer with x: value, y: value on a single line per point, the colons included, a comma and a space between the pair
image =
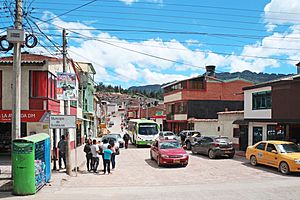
x: 29, y: 58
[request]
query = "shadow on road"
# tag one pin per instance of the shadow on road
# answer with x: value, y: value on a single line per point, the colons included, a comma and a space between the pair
x: 270, y: 170
x: 153, y: 164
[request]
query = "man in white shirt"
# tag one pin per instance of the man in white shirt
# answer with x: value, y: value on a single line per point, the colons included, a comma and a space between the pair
x: 90, y: 133
x: 95, y: 152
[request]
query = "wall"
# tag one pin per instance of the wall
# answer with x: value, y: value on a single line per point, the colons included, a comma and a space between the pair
x: 255, y: 114
x: 207, y: 127
x: 173, y: 97
x: 209, y: 109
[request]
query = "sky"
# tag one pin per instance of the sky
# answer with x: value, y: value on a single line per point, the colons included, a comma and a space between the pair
x: 140, y: 42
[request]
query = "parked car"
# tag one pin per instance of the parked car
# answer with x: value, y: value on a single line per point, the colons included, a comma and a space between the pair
x: 190, y: 136
x: 168, y: 152
x: 214, y: 146
x: 168, y: 135
x: 116, y: 138
x: 280, y: 154
x: 111, y: 123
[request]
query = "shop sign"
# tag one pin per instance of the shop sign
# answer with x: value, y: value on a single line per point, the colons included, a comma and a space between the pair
x: 66, y: 86
x: 62, y: 121
x: 26, y: 116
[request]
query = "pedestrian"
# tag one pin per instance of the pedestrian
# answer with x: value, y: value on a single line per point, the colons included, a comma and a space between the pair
x: 115, y: 150
x: 122, y: 127
x: 88, y: 154
x: 104, y: 146
x: 62, y: 149
x: 95, y: 155
x: 107, y: 157
x: 126, y: 139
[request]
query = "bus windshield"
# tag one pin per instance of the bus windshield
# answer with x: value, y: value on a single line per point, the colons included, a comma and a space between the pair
x: 148, y: 129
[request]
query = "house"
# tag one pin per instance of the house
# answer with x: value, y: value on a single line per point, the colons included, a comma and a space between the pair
x: 201, y: 97
x: 38, y: 97
x: 272, y: 111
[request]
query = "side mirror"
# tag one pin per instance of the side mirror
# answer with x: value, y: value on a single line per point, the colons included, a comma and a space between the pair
x: 274, y: 151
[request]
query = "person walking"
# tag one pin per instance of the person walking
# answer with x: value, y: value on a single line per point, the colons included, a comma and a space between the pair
x: 90, y: 133
x: 115, y: 150
x: 107, y: 157
x: 62, y: 148
x: 95, y: 155
x: 88, y: 154
x: 104, y: 147
x: 126, y: 139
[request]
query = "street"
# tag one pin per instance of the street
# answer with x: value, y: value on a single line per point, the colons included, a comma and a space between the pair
x: 137, y: 177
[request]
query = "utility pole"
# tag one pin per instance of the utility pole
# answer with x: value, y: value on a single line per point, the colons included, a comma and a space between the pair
x: 16, y: 96
x: 66, y: 110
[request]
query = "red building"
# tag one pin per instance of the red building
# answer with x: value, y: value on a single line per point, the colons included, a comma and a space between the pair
x: 38, y: 96
x: 201, y: 97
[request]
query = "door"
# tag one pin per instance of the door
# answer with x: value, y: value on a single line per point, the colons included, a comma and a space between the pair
x: 197, y: 146
x: 271, y: 158
x: 243, y: 138
x: 154, y: 150
x: 260, y: 152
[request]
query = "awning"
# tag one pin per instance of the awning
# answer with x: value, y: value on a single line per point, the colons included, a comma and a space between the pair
x: 240, y: 122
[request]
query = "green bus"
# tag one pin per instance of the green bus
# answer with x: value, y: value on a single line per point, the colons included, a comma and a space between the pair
x: 142, y: 131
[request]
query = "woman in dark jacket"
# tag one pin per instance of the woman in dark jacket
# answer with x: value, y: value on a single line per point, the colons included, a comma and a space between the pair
x: 88, y: 155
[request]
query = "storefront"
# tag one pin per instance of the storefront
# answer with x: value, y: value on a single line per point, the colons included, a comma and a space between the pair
x: 32, y: 122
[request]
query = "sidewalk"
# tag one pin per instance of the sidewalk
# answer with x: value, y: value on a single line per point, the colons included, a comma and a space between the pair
x: 240, y: 153
x: 5, y: 174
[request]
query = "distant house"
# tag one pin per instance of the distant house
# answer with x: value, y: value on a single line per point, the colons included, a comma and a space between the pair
x: 272, y: 111
x: 201, y: 97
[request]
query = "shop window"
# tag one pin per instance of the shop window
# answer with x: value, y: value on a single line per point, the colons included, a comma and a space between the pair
x: 257, y: 134
x: 261, y: 100
x: 275, y: 132
x: 236, y: 132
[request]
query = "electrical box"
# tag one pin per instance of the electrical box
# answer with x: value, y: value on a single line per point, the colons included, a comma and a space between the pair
x: 15, y: 35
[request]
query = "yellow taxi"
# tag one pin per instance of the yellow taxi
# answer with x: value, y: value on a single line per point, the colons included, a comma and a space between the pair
x: 280, y: 154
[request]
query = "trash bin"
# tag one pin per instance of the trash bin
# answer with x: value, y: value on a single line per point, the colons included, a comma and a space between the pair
x: 31, y: 163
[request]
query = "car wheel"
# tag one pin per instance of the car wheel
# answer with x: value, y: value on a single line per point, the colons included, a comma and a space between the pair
x: 158, y: 161
x: 188, y: 145
x: 253, y: 160
x: 211, y: 154
x: 231, y: 155
x: 151, y: 157
x: 284, y: 168
x: 193, y: 151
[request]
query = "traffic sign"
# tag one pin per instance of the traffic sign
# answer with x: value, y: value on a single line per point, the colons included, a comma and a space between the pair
x: 62, y: 121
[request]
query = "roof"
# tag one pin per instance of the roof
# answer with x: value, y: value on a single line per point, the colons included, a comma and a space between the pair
x: 142, y: 121
x: 270, y: 83
x: 277, y: 142
x: 209, y: 78
x: 29, y: 58
x: 34, y: 138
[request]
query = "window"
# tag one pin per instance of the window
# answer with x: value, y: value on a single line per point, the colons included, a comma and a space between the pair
x: 261, y: 146
x: 179, y: 108
x: 236, y: 132
x: 196, y: 84
x: 257, y: 134
x: 42, y: 84
x: 261, y: 100
x: 275, y: 132
x: 271, y: 147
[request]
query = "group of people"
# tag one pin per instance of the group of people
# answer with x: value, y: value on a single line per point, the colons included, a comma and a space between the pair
x: 107, y: 151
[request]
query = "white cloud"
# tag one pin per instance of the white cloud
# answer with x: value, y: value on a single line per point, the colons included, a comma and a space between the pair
x: 282, y: 12
x: 129, y: 2
x: 158, y: 78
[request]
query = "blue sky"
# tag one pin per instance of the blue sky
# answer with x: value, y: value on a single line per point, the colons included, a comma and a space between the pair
x: 138, y: 42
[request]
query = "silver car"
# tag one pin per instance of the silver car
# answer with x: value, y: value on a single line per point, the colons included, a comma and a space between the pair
x: 168, y: 135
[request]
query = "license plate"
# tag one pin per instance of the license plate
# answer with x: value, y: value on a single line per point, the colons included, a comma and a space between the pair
x: 176, y: 161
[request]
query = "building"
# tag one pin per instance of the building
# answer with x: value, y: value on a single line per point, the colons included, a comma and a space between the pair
x: 272, y: 111
x: 88, y: 117
x: 201, y: 97
x: 38, y: 97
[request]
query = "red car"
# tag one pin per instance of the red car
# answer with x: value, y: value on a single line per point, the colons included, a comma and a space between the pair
x: 168, y: 152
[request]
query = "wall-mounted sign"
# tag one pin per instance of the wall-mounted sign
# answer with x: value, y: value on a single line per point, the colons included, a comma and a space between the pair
x: 26, y: 116
x: 66, y: 86
x: 62, y: 121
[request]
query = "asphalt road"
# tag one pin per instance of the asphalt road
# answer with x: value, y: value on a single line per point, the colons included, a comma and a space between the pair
x: 137, y: 177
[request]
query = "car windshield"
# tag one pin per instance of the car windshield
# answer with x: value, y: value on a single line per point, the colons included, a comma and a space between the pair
x: 223, y: 140
x: 288, y: 148
x: 116, y: 135
x: 169, y: 145
x: 110, y: 138
x: 169, y: 134
x: 148, y: 129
